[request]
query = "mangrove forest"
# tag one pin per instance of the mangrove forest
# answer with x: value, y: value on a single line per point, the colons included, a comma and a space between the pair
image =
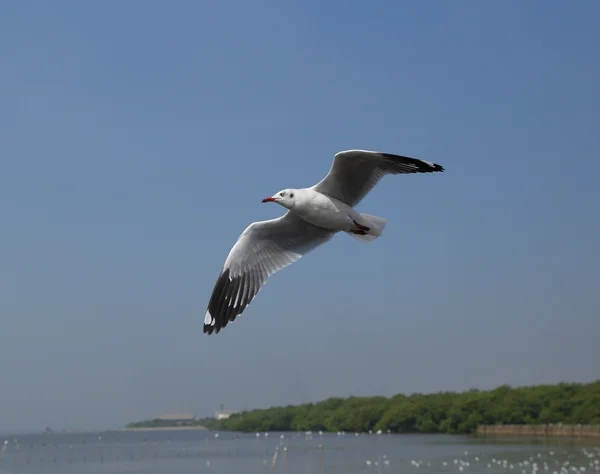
x: 442, y: 412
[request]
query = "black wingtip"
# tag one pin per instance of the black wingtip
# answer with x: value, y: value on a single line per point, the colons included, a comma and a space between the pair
x: 220, y: 306
x: 208, y: 329
x: 421, y: 165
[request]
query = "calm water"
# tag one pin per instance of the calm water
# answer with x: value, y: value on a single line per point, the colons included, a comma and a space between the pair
x: 182, y: 452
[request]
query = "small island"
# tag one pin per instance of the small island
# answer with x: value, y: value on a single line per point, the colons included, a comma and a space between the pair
x: 571, y: 404
x: 168, y: 422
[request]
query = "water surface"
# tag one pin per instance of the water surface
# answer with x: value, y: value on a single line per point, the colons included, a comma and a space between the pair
x: 183, y: 452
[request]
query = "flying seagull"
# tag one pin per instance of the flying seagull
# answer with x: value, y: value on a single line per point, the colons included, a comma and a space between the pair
x: 314, y: 216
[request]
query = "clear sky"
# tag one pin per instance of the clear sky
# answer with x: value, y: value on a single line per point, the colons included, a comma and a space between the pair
x: 138, y: 138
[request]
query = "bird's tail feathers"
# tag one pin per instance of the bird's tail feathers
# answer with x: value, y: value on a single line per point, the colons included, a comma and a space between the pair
x: 375, y: 225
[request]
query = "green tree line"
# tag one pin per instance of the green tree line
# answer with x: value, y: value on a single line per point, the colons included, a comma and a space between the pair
x: 442, y: 412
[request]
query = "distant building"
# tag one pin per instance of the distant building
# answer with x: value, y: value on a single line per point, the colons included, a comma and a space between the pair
x: 176, y: 419
x: 224, y: 414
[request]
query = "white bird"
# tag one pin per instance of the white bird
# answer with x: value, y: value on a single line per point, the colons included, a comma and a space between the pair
x: 314, y: 216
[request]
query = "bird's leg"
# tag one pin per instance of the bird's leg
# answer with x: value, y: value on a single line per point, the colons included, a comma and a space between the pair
x: 360, y: 227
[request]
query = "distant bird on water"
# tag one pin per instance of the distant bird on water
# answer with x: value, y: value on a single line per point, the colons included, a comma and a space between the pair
x: 314, y: 216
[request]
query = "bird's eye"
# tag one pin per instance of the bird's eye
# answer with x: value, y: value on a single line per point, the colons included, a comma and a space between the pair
x: 282, y: 194
x: 291, y: 195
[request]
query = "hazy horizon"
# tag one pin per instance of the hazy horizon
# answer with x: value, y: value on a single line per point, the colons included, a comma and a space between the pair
x: 140, y: 138
x: 204, y: 415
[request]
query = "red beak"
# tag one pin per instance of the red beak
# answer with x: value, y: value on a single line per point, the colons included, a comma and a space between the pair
x: 270, y: 199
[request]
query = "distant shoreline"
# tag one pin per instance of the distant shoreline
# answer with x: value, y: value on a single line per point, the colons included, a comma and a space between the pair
x: 166, y: 428
x: 540, y: 430
x: 502, y: 409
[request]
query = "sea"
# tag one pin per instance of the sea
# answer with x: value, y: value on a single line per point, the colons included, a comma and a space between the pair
x: 202, y: 451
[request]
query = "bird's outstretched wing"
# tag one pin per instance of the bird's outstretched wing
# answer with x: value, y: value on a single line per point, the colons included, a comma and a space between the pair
x: 264, y: 248
x: 354, y: 173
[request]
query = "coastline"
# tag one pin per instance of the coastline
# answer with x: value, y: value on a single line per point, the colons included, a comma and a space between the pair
x: 504, y: 409
x: 166, y: 428
x: 540, y: 431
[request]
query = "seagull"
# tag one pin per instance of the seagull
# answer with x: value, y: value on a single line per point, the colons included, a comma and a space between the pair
x: 314, y: 215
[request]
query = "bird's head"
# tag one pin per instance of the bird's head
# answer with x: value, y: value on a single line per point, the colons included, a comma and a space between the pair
x: 285, y: 197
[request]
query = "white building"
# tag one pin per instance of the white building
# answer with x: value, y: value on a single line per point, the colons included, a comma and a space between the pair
x: 223, y: 414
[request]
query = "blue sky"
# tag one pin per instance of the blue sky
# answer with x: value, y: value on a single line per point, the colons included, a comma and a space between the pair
x: 139, y: 137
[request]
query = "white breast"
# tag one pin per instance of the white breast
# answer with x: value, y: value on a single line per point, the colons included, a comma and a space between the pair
x: 324, y: 211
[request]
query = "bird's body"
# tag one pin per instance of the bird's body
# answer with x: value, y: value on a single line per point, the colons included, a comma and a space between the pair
x: 314, y: 216
x: 322, y: 210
